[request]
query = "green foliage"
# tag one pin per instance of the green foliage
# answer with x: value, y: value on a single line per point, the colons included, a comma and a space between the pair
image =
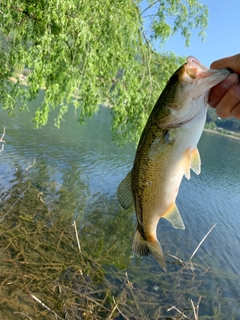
x: 231, y: 124
x: 171, y: 16
x: 210, y: 125
x: 213, y: 122
x: 91, y: 53
x: 133, y: 107
x: 211, y: 115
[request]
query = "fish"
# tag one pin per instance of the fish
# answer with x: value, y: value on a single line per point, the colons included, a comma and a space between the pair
x: 166, y: 152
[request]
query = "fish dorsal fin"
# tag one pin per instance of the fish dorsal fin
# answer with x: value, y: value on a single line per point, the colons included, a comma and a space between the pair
x: 124, y: 192
x: 174, y: 217
x: 195, y: 161
x: 159, y: 145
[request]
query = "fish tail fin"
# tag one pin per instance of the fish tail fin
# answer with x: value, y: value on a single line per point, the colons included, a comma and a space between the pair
x: 142, y: 248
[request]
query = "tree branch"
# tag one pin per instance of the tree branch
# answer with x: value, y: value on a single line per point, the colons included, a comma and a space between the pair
x: 151, y: 5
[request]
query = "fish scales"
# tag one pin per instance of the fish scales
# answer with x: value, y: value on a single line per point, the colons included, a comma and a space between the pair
x: 167, y: 150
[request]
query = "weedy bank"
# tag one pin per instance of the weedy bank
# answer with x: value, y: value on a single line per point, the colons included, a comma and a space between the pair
x: 55, y: 265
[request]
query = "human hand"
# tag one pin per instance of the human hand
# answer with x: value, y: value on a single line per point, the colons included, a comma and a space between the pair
x: 225, y: 96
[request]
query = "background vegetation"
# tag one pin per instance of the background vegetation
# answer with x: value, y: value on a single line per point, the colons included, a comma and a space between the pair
x: 224, y: 125
x: 91, y: 53
x: 52, y: 269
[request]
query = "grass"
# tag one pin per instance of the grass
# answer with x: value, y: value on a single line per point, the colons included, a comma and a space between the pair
x: 53, y: 269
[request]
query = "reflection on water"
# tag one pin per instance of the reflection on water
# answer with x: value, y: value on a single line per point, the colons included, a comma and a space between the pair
x: 75, y: 177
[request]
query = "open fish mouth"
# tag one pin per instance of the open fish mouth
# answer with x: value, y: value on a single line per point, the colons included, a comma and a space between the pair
x: 198, y: 80
x: 195, y: 69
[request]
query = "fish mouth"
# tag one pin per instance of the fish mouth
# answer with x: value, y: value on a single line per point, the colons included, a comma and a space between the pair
x: 195, y: 69
x: 198, y: 80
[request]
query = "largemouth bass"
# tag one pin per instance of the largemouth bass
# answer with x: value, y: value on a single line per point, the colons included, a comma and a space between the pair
x: 167, y: 150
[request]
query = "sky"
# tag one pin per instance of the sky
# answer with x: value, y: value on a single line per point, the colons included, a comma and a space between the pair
x: 223, y: 34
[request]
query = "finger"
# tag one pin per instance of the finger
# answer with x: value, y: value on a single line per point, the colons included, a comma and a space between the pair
x: 232, y: 62
x: 236, y: 111
x: 217, y: 92
x: 227, y: 104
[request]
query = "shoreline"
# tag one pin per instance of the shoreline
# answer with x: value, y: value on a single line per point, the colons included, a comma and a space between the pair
x: 23, y: 80
x: 222, y: 134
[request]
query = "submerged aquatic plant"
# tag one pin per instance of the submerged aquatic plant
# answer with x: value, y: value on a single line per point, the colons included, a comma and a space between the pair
x: 53, y: 267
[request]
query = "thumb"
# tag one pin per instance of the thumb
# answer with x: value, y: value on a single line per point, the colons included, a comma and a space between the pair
x: 232, y: 62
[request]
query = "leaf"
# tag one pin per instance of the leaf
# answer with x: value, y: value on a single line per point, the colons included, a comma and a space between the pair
x: 92, y: 52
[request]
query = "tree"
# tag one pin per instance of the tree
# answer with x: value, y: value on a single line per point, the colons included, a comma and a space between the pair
x: 90, y: 53
x: 211, y: 125
x: 211, y: 115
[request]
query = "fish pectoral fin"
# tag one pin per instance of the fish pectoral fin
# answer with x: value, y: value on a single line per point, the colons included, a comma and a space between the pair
x: 156, y: 149
x: 124, y: 192
x: 195, y: 161
x: 174, y: 217
x: 159, y: 145
x: 142, y: 248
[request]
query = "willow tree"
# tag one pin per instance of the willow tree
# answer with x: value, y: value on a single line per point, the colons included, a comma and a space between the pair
x: 88, y: 53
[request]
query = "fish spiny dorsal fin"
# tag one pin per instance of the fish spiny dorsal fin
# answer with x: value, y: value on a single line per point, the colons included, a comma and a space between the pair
x: 195, y: 161
x: 174, y: 217
x: 124, y: 192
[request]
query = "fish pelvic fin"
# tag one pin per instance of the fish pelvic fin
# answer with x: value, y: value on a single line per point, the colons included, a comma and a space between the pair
x: 192, y: 161
x: 143, y: 247
x: 174, y: 217
x: 195, y: 161
x: 124, y: 192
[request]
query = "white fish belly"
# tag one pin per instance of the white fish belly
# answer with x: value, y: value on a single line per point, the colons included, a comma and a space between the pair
x: 165, y: 175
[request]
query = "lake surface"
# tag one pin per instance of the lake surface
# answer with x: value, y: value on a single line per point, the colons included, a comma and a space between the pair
x: 77, y: 172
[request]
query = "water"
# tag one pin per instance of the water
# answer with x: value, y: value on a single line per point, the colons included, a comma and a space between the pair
x: 78, y: 169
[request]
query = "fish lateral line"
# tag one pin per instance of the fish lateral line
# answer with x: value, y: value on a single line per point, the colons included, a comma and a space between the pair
x: 167, y: 151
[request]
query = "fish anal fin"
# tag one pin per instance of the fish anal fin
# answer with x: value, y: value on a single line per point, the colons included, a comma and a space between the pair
x: 143, y: 247
x: 174, y: 217
x: 195, y: 161
x: 124, y: 192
